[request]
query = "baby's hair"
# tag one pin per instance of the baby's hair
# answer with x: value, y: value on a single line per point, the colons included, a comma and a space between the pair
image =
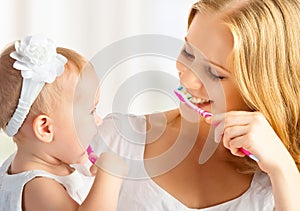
x: 10, y: 86
x: 11, y: 83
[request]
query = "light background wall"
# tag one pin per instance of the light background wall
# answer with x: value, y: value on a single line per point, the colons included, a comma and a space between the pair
x: 88, y: 26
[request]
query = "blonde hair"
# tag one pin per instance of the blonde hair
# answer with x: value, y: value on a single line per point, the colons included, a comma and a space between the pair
x: 265, y: 60
x: 11, y: 83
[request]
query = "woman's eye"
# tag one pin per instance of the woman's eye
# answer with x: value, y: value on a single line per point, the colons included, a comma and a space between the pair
x: 212, y: 73
x: 187, y: 54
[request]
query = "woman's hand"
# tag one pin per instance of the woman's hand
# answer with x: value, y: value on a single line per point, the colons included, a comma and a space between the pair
x: 251, y: 131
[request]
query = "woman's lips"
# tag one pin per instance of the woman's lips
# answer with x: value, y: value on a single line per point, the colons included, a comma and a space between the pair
x: 200, y: 102
x: 202, y: 105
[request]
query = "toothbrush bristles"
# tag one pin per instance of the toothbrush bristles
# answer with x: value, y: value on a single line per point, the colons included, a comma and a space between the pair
x: 185, y: 97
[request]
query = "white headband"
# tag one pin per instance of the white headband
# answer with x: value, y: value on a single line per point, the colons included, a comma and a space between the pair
x: 39, y: 63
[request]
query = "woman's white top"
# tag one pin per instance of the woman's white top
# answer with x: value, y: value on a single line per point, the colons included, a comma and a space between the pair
x: 126, y: 136
x: 77, y: 184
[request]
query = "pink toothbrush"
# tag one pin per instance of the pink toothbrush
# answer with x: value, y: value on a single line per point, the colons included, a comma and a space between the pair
x: 92, y: 156
x: 249, y: 154
x: 182, y: 94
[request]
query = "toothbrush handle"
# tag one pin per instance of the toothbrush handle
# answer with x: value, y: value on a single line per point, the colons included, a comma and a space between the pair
x: 249, y: 154
x: 91, y: 155
x: 204, y: 113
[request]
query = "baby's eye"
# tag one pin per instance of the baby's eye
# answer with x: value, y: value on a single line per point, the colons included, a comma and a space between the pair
x: 93, y: 111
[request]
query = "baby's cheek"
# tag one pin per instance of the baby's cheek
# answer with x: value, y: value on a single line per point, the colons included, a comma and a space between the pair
x: 87, y: 131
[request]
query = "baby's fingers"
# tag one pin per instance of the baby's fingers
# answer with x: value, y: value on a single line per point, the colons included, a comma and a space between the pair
x: 112, y: 163
x: 93, y: 170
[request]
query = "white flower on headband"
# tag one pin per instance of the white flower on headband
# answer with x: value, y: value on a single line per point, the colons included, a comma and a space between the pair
x: 37, y: 59
x: 39, y: 63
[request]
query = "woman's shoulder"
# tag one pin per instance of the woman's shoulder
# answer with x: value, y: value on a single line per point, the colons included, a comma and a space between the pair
x: 122, y: 120
x: 122, y: 125
x: 123, y: 134
x: 167, y: 116
x: 261, y: 184
x: 260, y: 195
x: 129, y: 125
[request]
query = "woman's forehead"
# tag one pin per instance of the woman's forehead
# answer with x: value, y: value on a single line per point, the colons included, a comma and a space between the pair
x: 212, y: 38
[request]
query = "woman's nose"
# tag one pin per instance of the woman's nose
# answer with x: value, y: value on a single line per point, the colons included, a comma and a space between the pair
x: 187, y: 77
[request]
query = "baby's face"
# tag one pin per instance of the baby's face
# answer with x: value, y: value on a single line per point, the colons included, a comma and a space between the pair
x: 75, y: 116
x: 86, y: 98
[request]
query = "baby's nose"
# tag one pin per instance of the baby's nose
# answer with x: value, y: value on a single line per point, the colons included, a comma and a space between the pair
x: 98, y: 119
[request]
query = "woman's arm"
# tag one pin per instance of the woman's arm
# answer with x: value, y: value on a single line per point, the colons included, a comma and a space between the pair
x: 286, y: 185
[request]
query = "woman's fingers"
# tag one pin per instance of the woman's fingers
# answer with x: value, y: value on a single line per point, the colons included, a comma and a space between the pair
x: 231, y: 133
x: 237, y: 143
x: 226, y: 120
x: 234, y: 129
x: 235, y: 118
x: 252, y: 132
x: 235, y: 138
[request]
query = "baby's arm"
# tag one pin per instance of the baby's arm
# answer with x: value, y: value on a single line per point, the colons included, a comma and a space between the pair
x: 110, y: 172
x: 46, y: 194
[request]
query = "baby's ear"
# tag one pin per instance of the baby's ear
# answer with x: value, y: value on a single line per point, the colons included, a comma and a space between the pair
x: 43, y: 128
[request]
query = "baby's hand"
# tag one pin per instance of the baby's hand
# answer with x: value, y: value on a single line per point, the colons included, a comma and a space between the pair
x: 109, y: 170
x: 110, y: 163
x: 251, y: 131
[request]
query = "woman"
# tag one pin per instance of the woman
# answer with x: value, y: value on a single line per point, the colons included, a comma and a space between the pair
x: 241, y: 63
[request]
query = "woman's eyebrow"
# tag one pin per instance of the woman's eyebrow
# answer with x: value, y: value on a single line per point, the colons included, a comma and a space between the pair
x: 217, y: 65
x: 204, y: 57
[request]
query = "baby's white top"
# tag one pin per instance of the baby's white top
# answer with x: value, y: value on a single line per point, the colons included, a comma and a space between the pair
x: 77, y: 184
x: 126, y: 135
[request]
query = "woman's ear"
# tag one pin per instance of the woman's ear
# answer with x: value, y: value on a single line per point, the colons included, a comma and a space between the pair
x: 43, y: 128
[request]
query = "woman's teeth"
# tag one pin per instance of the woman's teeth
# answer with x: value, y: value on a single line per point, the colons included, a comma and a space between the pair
x: 196, y: 100
x: 193, y: 99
